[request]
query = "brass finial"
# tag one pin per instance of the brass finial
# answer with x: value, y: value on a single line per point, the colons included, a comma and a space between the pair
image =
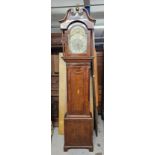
x: 77, y: 8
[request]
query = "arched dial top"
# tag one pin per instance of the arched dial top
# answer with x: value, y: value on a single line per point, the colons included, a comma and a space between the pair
x: 77, y: 39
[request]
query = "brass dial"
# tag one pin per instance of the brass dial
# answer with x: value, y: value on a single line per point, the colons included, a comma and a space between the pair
x: 77, y: 40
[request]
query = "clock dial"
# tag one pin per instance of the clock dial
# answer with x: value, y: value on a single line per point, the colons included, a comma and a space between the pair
x: 77, y: 40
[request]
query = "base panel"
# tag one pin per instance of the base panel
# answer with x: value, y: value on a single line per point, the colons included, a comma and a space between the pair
x: 78, y: 133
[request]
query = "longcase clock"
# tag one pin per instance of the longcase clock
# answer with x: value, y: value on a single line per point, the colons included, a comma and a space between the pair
x: 77, y: 38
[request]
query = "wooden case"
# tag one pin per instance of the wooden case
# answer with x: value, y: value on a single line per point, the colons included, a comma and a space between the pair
x: 78, y: 128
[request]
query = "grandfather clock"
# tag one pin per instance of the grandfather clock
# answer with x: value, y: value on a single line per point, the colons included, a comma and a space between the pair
x: 78, y: 44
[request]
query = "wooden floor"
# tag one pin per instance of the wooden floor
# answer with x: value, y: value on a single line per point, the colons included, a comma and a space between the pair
x: 58, y: 141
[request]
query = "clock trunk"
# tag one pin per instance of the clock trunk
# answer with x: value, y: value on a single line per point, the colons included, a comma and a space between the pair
x: 78, y: 89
